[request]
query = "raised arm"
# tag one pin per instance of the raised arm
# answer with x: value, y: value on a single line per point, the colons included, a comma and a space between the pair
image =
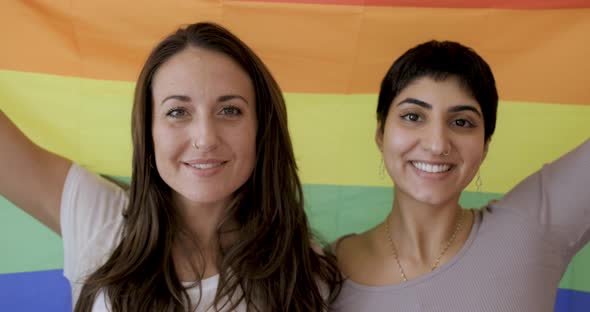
x: 31, y: 177
x: 558, y: 198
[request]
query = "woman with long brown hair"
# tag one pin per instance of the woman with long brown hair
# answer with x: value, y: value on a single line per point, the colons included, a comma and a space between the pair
x: 213, y: 219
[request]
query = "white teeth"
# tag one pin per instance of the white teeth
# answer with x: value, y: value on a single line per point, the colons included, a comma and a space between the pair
x: 431, y: 168
x: 205, y: 166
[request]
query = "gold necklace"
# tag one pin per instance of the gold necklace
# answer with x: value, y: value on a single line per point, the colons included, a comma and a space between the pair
x: 437, y: 260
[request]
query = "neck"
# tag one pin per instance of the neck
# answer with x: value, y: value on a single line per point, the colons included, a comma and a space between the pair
x: 420, y: 230
x: 201, y: 221
x: 197, y: 246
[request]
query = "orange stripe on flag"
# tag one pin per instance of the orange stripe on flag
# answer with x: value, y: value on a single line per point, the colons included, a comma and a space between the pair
x: 537, y: 55
x: 498, y: 4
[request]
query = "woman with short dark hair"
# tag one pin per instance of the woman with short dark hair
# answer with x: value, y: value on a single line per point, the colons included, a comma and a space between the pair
x: 435, y: 118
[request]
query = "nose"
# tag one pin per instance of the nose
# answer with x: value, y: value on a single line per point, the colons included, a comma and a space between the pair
x: 205, y: 134
x: 436, y: 139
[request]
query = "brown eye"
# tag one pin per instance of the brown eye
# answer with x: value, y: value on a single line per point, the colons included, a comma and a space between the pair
x: 411, y: 117
x: 463, y: 123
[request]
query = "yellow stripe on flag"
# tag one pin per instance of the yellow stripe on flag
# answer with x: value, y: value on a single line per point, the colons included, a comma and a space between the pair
x: 89, y: 121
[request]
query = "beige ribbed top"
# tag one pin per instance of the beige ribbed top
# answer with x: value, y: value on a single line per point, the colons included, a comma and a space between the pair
x: 514, y: 258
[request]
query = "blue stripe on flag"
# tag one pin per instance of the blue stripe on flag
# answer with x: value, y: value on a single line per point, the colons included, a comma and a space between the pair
x: 50, y: 291
x: 35, y: 291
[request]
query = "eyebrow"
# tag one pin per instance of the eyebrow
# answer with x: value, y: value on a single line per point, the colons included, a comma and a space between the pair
x: 453, y: 109
x: 186, y: 98
x: 415, y: 102
x: 229, y: 97
x: 460, y: 108
x: 182, y: 98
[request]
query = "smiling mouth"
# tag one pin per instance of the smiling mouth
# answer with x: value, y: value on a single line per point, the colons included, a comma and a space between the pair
x: 208, y: 165
x: 431, y: 168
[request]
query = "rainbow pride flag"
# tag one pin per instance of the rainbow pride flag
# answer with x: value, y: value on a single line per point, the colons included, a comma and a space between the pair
x: 67, y: 71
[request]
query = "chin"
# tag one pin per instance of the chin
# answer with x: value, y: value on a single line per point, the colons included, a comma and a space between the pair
x: 204, y: 197
x: 432, y: 198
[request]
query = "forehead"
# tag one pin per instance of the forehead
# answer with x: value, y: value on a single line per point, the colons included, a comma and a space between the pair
x: 195, y: 71
x: 446, y: 92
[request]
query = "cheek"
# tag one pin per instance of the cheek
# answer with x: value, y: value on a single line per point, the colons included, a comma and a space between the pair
x: 246, y: 141
x: 474, y: 149
x: 396, y: 140
x: 241, y: 140
x: 164, y: 140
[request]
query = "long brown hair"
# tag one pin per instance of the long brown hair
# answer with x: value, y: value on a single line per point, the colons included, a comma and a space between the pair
x: 272, y: 266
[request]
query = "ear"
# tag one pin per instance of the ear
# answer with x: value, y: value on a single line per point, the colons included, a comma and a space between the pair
x: 379, y: 137
x: 485, y: 150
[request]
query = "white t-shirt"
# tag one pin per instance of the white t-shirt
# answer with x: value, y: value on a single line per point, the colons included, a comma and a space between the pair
x: 208, y: 285
x: 91, y: 222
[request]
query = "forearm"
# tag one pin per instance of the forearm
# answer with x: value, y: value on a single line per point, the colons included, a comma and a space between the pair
x: 32, y: 178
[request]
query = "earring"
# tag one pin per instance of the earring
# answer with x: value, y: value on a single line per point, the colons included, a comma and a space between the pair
x: 381, y: 169
x: 478, y: 182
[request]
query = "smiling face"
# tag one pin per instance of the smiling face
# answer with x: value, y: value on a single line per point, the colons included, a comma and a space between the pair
x: 204, y: 126
x: 433, y: 140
